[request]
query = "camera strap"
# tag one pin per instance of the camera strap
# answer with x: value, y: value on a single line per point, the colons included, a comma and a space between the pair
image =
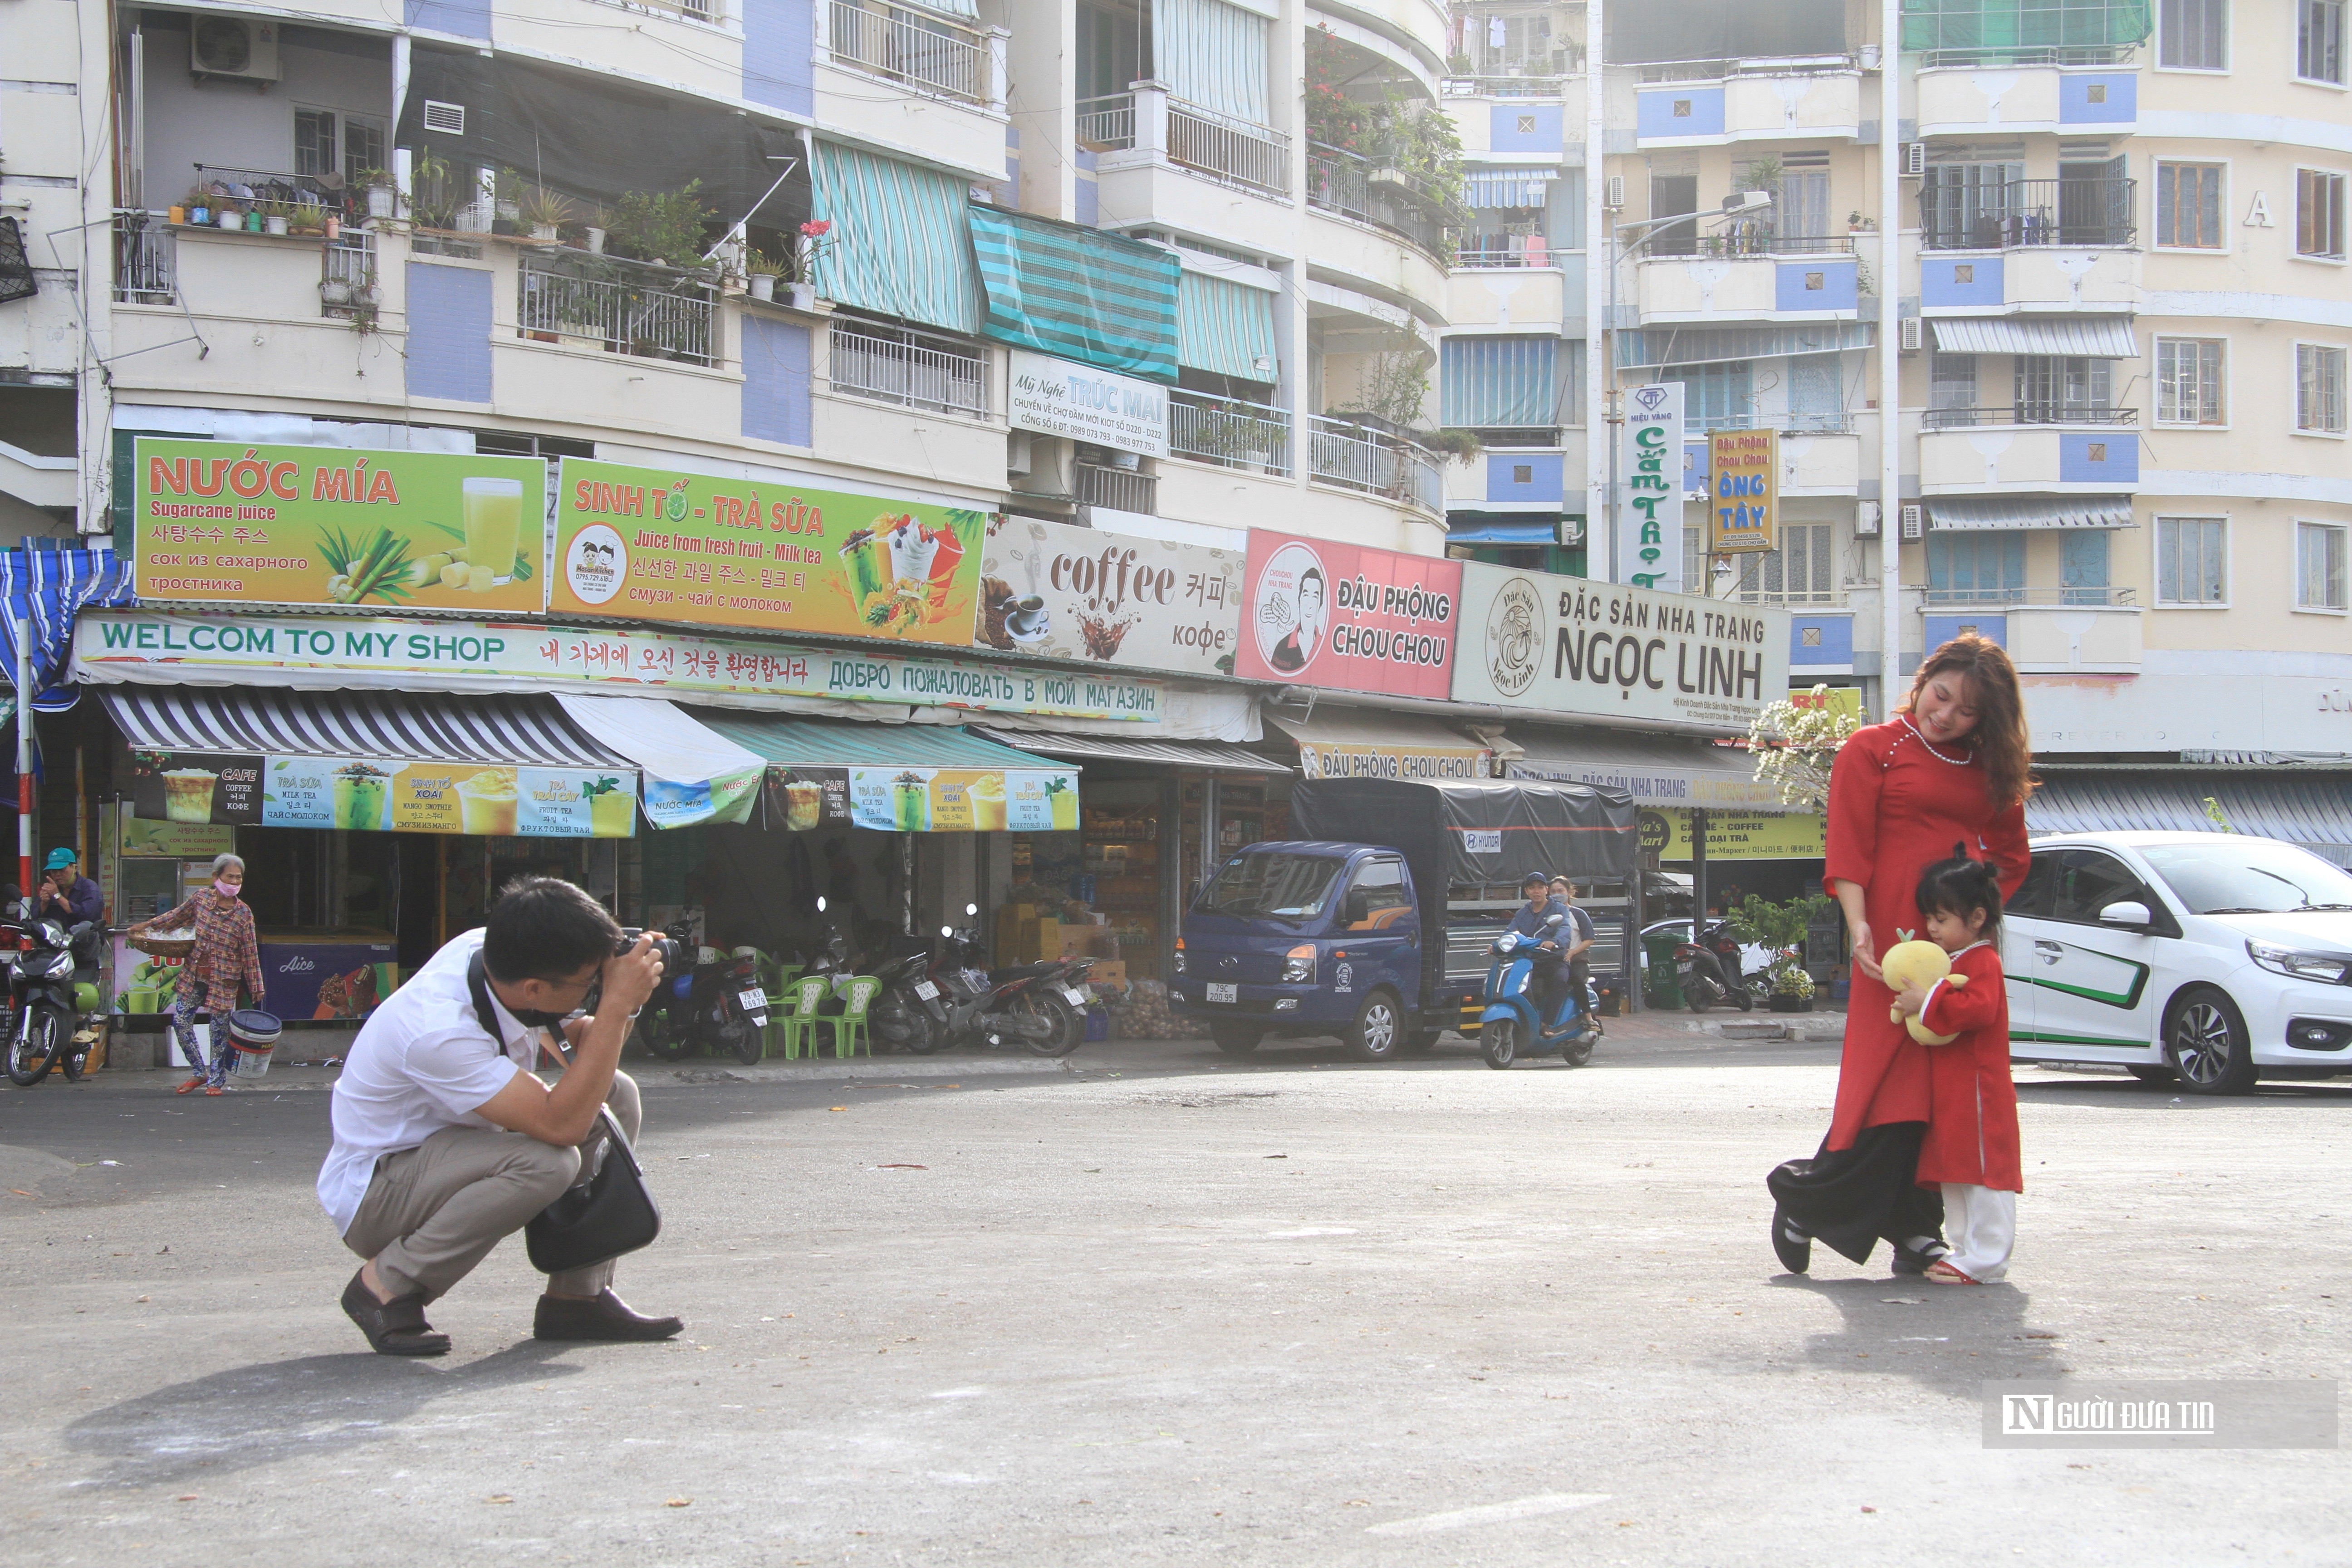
x: 477, y: 986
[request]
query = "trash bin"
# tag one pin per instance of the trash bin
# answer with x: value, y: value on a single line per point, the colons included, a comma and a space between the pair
x: 1663, y: 988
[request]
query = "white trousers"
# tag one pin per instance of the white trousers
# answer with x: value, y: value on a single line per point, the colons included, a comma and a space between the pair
x: 1981, y: 1225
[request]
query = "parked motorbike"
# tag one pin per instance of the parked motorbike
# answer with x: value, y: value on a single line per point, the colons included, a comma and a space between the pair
x: 717, y: 1004
x: 1510, y: 1026
x: 1040, y: 1007
x: 52, y: 983
x: 1707, y: 968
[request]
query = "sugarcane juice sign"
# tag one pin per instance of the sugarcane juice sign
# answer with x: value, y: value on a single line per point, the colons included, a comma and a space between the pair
x: 383, y: 794
x: 1743, y: 491
x: 224, y: 521
x: 1650, y: 499
x: 655, y: 544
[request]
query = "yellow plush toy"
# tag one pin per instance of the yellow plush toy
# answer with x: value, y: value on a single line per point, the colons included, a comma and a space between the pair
x: 1911, y: 962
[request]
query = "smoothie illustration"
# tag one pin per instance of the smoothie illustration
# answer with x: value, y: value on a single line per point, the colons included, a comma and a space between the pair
x: 188, y: 794
x: 493, y: 524
x: 910, y: 798
x: 986, y: 794
x: 803, y: 805
x: 1066, y: 804
x: 358, y: 796
x: 612, y: 811
x: 486, y: 803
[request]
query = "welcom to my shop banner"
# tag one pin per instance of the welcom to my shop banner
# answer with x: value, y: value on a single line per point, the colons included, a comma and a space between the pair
x: 924, y: 800
x: 1051, y: 591
x: 383, y: 794
x: 224, y: 523
x: 1316, y: 613
x: 655, y: 544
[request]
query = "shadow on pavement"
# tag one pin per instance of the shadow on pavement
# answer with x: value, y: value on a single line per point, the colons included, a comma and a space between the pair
x: 1926, y: 1333
x: 2128, y: 1095
x: 260, y: 1415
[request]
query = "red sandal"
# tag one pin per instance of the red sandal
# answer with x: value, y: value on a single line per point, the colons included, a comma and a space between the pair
x: 1941, y: 1273
x: 190, y: 1086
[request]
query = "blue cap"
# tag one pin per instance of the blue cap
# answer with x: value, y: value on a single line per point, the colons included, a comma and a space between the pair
x: 60, y: 858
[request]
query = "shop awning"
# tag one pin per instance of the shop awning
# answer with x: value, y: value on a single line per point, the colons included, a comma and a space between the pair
x: 1359, y: 742
x: 51, y: 588
x: 899, y: 245
x: 691, y: 772
x: 1077, y: 293
x: 437, y: 729
x: 1715, y: 345
x: 906, y: 778
x: 1507, y: 188
x: 1655, y: 770
x: 2030, y: 512
x: 1225, y: 328
x: 2085, y: 337
x: 1214, y: 756
x: 1544, y: 530
x: 2300, y: 808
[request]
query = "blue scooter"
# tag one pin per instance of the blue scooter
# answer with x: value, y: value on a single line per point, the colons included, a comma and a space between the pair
x: 1508, y: 1029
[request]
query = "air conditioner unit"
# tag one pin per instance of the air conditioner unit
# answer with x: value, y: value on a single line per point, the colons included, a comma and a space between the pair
x: 242, y: 47
x: 1865, y: 520
x: 445, y: 119
x: 1910, y: 335
x: 1614, y: 197
x: 1915, y: 158
x: 1914, y: 521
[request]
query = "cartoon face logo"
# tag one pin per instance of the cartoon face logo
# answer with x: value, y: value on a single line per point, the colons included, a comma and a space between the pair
x: 1512, y: 645
x: 597, y: 564
x: 1292, y: 608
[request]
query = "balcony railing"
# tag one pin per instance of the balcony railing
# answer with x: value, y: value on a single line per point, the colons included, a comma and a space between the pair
x: 1504, y: 250
x: 1344, y: 184
x: 1508, y: 85
x: 1838, y: 422
x: 1994, y: 56
x: 1718, y: 70
x: 2031, y: 412
x: 1116, y: 489
x: 911, y: 46
x: 325, y: 190
x: 622, y: 306
x: 2027, y: 213
x: 916, y: 370
x: 1362, y: 458
x: 144, y: 255
x: 1230, y: 149
x: 1106, y: 124
x: 347, y: 274
x: 2118, y: 598
x: 1228, y: 432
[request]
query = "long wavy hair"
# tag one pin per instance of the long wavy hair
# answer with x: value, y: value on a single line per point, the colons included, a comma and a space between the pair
x: 1998, y: 739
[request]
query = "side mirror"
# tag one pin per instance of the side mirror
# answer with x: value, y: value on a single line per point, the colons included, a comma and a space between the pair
x: 2130, y: 912
x: 1356, y: 908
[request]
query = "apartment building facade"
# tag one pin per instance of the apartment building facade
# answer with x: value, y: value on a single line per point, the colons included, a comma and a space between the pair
x: 2120, y: 333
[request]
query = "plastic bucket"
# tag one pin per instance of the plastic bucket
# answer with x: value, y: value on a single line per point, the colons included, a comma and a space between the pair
x: 253, y: 1033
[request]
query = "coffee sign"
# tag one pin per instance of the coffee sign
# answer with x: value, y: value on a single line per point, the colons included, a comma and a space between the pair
x: 1056, y: 591
x: 1316, y: 613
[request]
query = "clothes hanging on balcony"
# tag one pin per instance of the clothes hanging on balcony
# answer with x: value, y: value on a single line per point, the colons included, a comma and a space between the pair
x: 1496, y: 383
x: 1225, y: 328
x: 899, y: 246
x: 1214, y: 55
x: 1077, y: 293
x: 1487, y: 189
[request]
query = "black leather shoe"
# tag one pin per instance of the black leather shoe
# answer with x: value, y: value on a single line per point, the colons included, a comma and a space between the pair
x: 1907, y: 1261
x: 607, y: 1317
x: 396, y: 1327
x: 1793, y: 1246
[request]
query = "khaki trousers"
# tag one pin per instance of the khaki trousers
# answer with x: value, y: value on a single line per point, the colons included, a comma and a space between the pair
x: 433, y: 1212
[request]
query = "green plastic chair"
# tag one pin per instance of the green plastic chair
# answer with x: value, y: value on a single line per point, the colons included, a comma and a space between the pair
x: 797, y: 1023
x: 848, y: 1025
x: 777, y: 979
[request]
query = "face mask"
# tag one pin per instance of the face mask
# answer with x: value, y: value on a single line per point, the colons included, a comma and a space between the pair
x: 227, y: 890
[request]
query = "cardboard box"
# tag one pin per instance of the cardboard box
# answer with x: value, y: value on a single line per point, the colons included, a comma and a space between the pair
x: 1108, y: 973
x: 1088, y: 941
x: 1047, y: 942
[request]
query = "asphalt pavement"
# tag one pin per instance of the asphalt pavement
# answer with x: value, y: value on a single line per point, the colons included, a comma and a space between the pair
x: 1160, y: 1305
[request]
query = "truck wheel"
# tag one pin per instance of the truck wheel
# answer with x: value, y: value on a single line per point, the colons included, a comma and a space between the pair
x: 1378, y: 1033
x: 1420, y: 1042
x: 1498, y: 1043
x: 1234, y: 1040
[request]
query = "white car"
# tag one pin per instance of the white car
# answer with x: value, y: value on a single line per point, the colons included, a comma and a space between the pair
x: 2210, y: 958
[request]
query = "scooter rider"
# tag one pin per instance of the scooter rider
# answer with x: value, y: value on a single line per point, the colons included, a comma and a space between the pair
x: 1544, y: 920
x: 1579, y: 931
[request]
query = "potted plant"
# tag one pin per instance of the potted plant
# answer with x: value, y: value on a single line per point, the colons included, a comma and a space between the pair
x: 197, y: 208
x: 335, y: 291
x: 764, y: 270
x: 544, y: 213
x: 228, y: 216
x: 366, y: 293
x: 1782, y: 928
x: 278, y: 217
x: 660, y: 225
x: 1792, y: 988
x: 377, y: 183
x: 593, y: 223
x: 816, y: 238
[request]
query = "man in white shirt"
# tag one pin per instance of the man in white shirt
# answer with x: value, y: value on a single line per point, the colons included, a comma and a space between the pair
x: 445, y: 1144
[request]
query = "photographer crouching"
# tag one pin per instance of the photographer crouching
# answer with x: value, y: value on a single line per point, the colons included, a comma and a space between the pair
x: 445, y: 1144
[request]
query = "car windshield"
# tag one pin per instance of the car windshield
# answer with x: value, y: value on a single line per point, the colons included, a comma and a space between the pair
x: 1283, y: 886
x: 2233, y: 875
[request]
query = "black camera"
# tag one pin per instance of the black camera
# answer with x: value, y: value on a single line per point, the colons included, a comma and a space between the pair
x: 670, y: 950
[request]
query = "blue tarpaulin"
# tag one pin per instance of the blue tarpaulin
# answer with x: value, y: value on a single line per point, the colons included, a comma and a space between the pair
x: 53, y: 587
x: 1076, y: 293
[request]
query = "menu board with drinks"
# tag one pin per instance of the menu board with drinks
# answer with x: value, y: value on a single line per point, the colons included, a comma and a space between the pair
x: 924, y: 800
x: 655, y: 544
x: 384, y: 794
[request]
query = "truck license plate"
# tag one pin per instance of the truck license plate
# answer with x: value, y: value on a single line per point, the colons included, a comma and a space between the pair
x: 755, y: 999
x: 926, y: 991
x: 1222, y: 993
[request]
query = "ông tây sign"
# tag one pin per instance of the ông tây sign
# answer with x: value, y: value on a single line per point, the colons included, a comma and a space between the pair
x: 1743, y: 491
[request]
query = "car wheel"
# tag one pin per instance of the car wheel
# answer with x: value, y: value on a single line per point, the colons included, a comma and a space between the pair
x: 2205, y: 1042
x: 2154, y: 1075
x: 1234, y: 1040
x: 1378, y: 1033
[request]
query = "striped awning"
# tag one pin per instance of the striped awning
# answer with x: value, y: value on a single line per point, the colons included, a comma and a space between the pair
x: 1077, y: 293
x: 2299, y: 808
x: 525, y: 732
x: 2030, y: 512
x: 1507, y: 187
x: 2082, y: 337
x: 1495, y: 382
x: 1712, y: 345
x: 1214, y: 756
x: 1226, y: 327
x: 899, y: 245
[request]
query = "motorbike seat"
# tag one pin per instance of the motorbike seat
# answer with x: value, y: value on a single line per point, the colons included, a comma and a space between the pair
x: 1018, y: 971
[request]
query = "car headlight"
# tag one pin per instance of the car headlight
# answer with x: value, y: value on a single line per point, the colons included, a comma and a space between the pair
x: 2335, y: 968
x: 1176, y: 963
x: 1298, y: 965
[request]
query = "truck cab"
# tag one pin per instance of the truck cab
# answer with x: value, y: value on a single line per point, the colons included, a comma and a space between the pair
x: 1309, y: 938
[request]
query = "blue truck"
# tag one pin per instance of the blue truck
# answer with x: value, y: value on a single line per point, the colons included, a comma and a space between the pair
x: 1350, y: 930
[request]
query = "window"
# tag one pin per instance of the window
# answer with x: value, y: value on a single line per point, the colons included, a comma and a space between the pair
x: 1694, y: 578
x: 2188, y: 560
x: 2319, y: 40
x: 1968, y: 206
x: 2319, y: 389
x: 2052, y: 390
x: 1715, y: 397
x: 2189, y: 381
x: 2086, y: 881
x: 2194, y: 36
x: 328, y: 141
x: 1952, y: 381
x: 2318, y: 566
x: 1975, y: 567
x: 1377, y: 897
x: 2319, y: 214
x: 1799, y: 572
x: 2189, y: 205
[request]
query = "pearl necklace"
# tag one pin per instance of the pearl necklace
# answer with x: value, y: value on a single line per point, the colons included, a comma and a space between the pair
x: 1968, y: 761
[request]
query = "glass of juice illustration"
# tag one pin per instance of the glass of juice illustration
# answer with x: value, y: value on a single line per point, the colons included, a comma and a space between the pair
x: 1066, y: 804
x: 803, y: 805
x: 986, y: 794
x: 359, y: 797
x: 493, y: 524
x: 610, y: 814
x: 188, y: 794
x: 911, y: 797
x: 486, y: 803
